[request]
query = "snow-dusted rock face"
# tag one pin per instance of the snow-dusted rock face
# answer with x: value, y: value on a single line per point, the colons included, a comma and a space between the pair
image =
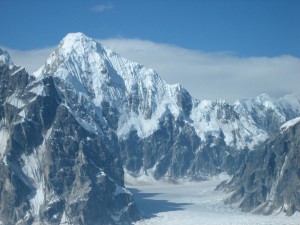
x: 269, y: 181
x: 55, y: 166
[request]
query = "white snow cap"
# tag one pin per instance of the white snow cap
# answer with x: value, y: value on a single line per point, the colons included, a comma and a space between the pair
x: 290, y: 123
x: 75, y: 36
x: 5, y: 58
x: 77, y: 41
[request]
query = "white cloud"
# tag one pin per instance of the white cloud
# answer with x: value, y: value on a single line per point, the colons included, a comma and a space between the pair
x: 204, y: 75
x: 214, y: 75
x: 102, y: 7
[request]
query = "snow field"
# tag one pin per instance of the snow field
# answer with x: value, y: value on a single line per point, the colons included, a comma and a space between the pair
x: 195, y: 203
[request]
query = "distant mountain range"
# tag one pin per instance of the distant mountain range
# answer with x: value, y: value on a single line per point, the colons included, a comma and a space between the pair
x: 70, y: 130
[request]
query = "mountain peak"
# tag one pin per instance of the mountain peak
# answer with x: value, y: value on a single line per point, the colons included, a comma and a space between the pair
x: 76, y: 36
x: 74, y: 49
x: 78, y: 43
x: 5, y: 58
x: 73, y: 39
x: 263, y: 97
x: 84, y: 58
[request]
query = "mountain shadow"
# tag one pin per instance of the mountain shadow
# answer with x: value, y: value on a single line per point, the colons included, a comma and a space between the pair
x: 151, y: 207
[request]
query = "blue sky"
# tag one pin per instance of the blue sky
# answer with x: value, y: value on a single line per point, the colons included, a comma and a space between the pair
x: 217, y: 49
x: 245, y: 27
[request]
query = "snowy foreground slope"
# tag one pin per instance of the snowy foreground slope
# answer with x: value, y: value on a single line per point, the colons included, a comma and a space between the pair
x: 195, y: 203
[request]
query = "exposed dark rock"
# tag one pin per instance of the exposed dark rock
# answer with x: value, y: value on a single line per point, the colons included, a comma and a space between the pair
x: 269, y: 179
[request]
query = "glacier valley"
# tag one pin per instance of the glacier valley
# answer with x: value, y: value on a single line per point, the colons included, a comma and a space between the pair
x: 193, y: 203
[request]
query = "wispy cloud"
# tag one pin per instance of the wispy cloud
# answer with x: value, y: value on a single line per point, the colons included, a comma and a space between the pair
x: 102, y: 7
x: 205, y: 75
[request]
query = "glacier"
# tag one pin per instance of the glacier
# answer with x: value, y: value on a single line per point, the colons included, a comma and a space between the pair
x: 193, y: 203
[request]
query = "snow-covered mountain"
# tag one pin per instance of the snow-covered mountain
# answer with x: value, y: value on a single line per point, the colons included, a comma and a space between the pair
x: 150, y: 116
x: 70, y: 129
x: 138, y: 95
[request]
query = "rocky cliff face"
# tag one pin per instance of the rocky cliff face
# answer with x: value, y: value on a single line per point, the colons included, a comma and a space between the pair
x: 54, y: 168
x: 269, y: 180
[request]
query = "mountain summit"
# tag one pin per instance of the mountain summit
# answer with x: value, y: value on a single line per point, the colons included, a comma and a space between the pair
x: 5, y: 58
